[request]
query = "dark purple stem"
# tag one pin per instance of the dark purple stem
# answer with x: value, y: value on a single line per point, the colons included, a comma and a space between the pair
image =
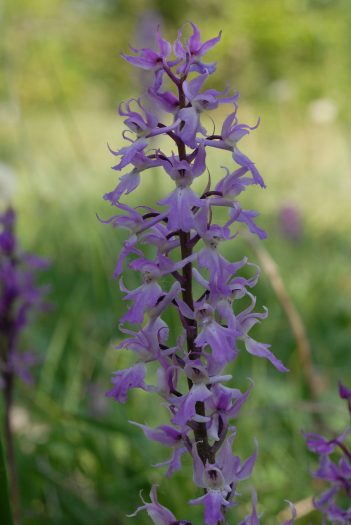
x: 171, y: 134
x: 201, y: 438
x: 170, y: 73
x: 209, y: 193
x: 212, y: 137
x: 179, y: 277
x: 342, y: 446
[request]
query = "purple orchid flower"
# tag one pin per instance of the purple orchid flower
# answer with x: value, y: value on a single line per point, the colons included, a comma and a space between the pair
x: 167, y: 375
x: 199, y: 391
x: 246, y: 321
x: 161, y: 238
x: 19, y: 295
x: 208, y: 257
x: 334, y: 513
x: 210, y: 327
x: 230, y: 136
x: 183, y: 198
x: 169, y: 437
x: 237, y: 286
x: 127, y: 379
x: 147, y: 295
x: 157, y: 512
x: 218, y: 479
x: 145, y: 343
x: 167, y: 100
x: 321, y: 445
x: 221, y: 406
x: 149, y: 59
x: 337, y: 475
x: 144, y: 128
x: 214, y: 335
x: 231, y: 186
x: 135, y: 223
x: 190, y: 116
x: 8, y: 241
x: 19, y: 364
x: 195, y: 50
x: 130, y: 181
x: 246, y: 217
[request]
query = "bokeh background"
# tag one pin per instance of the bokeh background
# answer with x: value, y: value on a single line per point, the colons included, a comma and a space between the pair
x: 61, y: 80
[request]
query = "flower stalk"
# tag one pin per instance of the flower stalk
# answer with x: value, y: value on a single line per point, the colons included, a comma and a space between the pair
x: 18, y: 296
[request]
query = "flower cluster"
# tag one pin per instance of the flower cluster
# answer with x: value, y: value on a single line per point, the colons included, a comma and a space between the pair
x: 19, y: 294
x: 212, y: 327
x: 338, y: 475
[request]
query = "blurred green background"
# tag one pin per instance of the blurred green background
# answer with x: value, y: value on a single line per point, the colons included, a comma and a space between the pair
x: 61, y: 80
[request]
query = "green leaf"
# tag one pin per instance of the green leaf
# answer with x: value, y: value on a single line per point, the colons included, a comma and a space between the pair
x: 5, y: 505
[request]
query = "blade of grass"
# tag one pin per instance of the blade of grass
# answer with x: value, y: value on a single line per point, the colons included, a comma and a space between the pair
x: 5, y: 507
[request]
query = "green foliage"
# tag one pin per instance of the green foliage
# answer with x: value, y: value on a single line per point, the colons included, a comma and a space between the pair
x: 5, y: 507
x: 78, y: 42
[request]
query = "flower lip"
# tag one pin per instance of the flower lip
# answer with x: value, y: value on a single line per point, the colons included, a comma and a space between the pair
x: 213, y: 478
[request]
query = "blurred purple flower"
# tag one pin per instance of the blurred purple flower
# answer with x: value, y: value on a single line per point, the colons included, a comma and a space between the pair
x: 289, y: 222
x: 338, y: 475
x: 19, y: 296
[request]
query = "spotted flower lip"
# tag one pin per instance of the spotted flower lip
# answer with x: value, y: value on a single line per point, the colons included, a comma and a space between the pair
x: 183, y: 173
x: 181, y: 200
